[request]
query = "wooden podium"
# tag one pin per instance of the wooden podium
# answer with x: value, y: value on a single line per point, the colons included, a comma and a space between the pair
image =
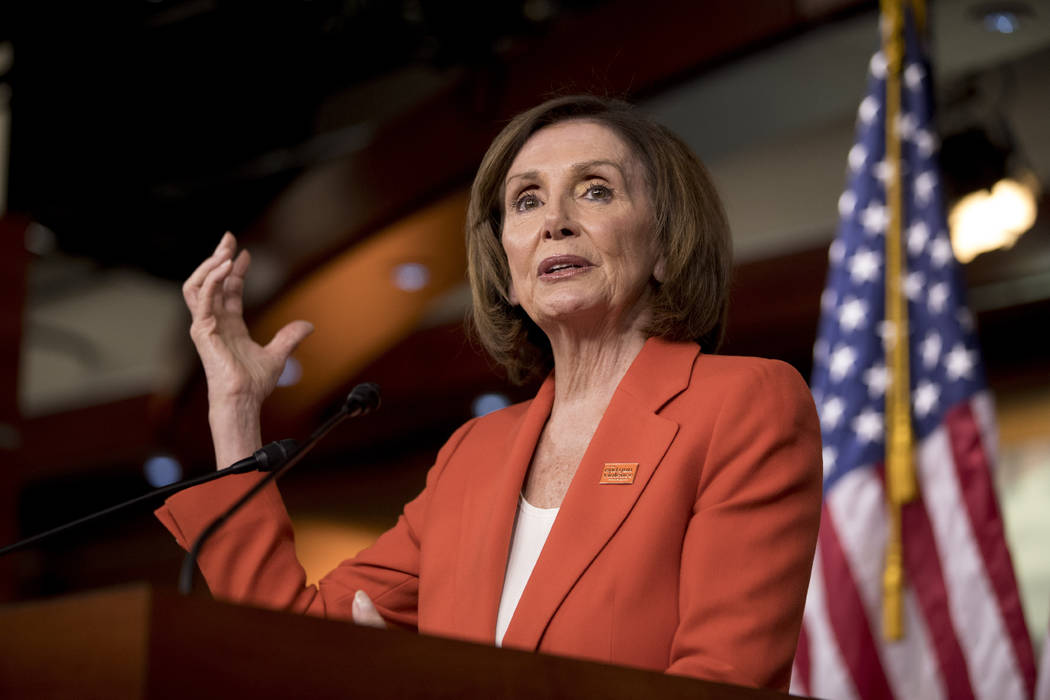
x: 143, y: 642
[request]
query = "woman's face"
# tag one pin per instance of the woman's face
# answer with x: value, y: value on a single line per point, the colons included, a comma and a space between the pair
x: 578, y: 228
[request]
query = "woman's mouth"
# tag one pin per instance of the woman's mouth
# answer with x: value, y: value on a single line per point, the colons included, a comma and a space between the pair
x: 560, y: 266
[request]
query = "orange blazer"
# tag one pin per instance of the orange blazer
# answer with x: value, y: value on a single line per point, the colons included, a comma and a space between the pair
x: 699, y: 567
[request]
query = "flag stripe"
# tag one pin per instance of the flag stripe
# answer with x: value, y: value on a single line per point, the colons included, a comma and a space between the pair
x: 924, y: 571
x: 800, y: 677
x: 975, y: 614
x: 828, y: 676
x: 848, y: 617
x: 858, y: 506
x: 975, y: 480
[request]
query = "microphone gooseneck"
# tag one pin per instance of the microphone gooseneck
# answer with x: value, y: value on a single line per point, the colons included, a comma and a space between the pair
x: 266, y: 458
x: 162, y: 491
x: 279, y: 458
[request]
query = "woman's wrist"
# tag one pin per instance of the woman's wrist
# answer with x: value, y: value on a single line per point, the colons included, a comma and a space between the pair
x: 235, y: 430
x: 233, y: 405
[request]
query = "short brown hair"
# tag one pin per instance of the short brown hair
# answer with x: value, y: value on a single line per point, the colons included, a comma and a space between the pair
x: 690, y: 303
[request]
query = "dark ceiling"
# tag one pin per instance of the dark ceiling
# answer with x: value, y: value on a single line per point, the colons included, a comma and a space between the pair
x: 139, y: 128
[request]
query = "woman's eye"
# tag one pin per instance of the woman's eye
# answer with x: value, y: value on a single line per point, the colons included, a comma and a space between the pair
x: 597, y: 191
x: 526, y: 201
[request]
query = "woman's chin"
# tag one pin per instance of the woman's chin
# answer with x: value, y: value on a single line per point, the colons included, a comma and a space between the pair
x: 573, y: 311
x: 574, y: 316
x: 566, y: 306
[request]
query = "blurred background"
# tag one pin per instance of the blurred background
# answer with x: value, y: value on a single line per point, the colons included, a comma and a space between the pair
x: 338, y: 139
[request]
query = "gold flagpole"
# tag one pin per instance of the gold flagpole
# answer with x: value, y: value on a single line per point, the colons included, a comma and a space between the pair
x: 901, y: 485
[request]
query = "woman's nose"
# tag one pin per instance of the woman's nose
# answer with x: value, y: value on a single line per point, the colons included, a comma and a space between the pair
x: 558, y: 223
x: 556, y: 232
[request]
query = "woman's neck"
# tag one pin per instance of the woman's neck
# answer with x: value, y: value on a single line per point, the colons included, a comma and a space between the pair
x: 588, y: 369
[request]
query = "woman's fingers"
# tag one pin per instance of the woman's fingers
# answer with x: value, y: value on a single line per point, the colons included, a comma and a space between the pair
x: 241, y: 263
x: 223, y: 251
x: 234, y: 363
x: 209, y: 302
x: 365, y: 612
x: 288, y: 338
x: 233, y: 286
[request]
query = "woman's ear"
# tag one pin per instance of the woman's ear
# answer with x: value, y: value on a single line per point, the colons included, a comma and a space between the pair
x: 659, y: 270
x: 512, y: 295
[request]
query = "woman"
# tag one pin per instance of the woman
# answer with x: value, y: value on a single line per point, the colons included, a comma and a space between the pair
x: 653, y: 505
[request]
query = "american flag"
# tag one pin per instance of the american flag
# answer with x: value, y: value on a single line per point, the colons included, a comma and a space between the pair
x: 964, y: 633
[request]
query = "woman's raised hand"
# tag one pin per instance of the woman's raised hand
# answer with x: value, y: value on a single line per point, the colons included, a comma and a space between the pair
x: 240, y: 372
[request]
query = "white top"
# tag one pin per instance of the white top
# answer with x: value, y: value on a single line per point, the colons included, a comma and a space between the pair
x: 531, y: 527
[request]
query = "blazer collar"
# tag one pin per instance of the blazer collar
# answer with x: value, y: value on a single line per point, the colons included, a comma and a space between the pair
x: 630, y: 431
x: 661, y: 372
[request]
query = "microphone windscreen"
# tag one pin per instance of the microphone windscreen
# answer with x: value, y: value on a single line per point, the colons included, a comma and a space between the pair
x: 272, y: 456
x: 364, y: 398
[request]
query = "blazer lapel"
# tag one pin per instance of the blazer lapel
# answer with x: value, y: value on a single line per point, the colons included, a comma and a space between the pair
x: 630, y: 431
x: 489, y: 508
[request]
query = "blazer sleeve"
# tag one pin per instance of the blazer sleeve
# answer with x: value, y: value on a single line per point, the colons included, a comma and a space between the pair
x: 252, y: 559
x: 749, y: 545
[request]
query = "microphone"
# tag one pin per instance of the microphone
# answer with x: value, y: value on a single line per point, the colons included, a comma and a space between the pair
x: 264, y: 459
x: 363, y: 398
x: 276, y: 459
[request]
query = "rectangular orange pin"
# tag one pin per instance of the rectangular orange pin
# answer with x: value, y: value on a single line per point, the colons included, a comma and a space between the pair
x: 619, y: 472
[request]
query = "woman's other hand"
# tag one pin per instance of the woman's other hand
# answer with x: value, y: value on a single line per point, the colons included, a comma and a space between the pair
x: 240, y: 372
x: 365, y: 612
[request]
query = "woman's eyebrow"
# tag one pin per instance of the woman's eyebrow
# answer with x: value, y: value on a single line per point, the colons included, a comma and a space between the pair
x: 588, y: 164
x: 528, y: 175
x: 576, y: 167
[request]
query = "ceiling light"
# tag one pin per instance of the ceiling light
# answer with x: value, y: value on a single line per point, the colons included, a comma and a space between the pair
x: 411, y: 276
x: 989, y: 219
x: 162, y: 470
x: 291, y: 374
x: 1001, y: 22
x: 487, y: 403
x: 1002, y: 16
